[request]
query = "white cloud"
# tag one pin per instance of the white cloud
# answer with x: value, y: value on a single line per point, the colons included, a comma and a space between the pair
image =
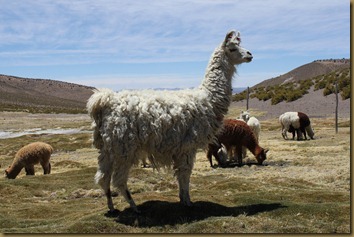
x: 135, y: 81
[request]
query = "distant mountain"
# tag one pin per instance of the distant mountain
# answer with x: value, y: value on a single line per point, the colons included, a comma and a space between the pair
x: 307, y: 71
x: 42, y: 95
x: 236, y: 90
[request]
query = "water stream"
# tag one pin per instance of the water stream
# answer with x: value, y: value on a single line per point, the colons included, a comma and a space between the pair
x: 37, y: 131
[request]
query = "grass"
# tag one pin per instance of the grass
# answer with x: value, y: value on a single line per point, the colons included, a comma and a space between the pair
x: 304, y: 187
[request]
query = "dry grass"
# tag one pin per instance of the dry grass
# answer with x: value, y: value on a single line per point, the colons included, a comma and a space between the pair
x: 304, y: 187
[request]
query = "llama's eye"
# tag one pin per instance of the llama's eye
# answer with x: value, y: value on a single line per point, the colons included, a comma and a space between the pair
x: 232, y: 50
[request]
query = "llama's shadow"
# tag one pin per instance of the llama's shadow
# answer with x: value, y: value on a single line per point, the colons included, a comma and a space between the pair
x: 160, y: 213
x: 232, y: 164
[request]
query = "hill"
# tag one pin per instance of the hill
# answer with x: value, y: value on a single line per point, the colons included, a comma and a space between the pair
x: 307, y: 71
x: 42, y: 95
x: 296, y: 83
x: 298, y: 91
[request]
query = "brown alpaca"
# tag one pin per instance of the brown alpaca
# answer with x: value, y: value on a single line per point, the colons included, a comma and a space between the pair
x: 235, y: 134
x: 28, y: 156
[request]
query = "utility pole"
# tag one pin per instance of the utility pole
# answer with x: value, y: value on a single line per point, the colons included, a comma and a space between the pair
x: 336, y: 115
x: 248, y: 96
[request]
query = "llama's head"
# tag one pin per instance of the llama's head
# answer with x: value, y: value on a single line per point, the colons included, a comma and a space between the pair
x: 245, y: 115
x: 234, y: 51
x: 8, y: 173
x: 262, y: 156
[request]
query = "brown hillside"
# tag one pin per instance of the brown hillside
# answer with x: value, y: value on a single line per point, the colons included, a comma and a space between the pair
x: 307, y: 71
x: 42, y: 95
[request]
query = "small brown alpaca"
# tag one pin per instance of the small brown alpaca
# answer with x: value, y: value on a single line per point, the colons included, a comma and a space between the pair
x: 234, y: 135
x: 28, y: 156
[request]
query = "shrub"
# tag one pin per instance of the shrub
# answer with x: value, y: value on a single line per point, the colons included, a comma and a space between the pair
x: 345, y: 94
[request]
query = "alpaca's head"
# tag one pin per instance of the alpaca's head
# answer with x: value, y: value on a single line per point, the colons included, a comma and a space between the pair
x: 262, y: 156
x: 9, y: 173
x: 234, y: 51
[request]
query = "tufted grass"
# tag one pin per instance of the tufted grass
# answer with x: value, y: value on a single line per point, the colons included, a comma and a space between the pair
x: 304, y: 187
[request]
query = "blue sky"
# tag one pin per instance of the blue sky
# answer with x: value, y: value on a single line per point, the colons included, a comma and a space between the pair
x: 123, y: 44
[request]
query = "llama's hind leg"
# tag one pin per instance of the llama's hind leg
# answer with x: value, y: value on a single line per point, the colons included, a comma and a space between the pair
x: 120, y: 179
x: 46, y: 167
x: 103, y: 178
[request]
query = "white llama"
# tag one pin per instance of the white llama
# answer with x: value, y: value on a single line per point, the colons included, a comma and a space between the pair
x: 254, y: 124
x: 164, y: 125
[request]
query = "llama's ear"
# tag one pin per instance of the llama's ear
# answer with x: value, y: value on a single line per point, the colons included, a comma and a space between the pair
x: 232, y: 36
x: 228, y: 37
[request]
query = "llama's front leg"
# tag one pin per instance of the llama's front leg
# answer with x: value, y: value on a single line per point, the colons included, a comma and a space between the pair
x: 183, y: 177
x: 183, y: 174
x: 299, y: 134
x: 304, y: 132
x: 29, y: 169
x: 238, y: 152
x: 283, y: 133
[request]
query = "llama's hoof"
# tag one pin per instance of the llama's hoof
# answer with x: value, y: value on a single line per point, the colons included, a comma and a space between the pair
x: 187, y: 203
x: 112, y: 213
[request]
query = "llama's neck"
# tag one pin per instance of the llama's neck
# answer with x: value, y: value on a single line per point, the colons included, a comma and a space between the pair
x: 217, y: 82
x: 252, y: 144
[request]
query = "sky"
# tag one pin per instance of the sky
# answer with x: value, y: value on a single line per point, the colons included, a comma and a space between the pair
x: 124, y: 44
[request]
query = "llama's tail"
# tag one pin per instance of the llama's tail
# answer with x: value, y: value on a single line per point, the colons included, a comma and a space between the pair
x: 95, y: 105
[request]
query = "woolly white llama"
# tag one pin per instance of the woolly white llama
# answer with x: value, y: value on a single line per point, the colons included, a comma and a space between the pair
x: 296, y: 121
x: 254, y: 124
x: 28, y: 156
x: 166, y: 126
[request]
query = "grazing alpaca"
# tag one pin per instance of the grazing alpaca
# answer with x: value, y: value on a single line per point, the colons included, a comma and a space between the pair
x: 28, y: 156
x: 220, y: 153
x: 168, y: 126
x: 236, y: 134
x: 296, y: 121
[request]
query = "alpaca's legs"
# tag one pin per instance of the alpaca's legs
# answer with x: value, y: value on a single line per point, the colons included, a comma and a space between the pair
x: 183, y: 174
x: 29, y: 169
x: 213, y: 151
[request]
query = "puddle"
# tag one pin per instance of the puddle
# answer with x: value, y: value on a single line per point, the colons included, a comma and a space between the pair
x: 38, y: 131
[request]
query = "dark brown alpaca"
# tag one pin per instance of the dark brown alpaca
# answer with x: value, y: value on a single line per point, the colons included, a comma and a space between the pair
x: 235, y: 134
